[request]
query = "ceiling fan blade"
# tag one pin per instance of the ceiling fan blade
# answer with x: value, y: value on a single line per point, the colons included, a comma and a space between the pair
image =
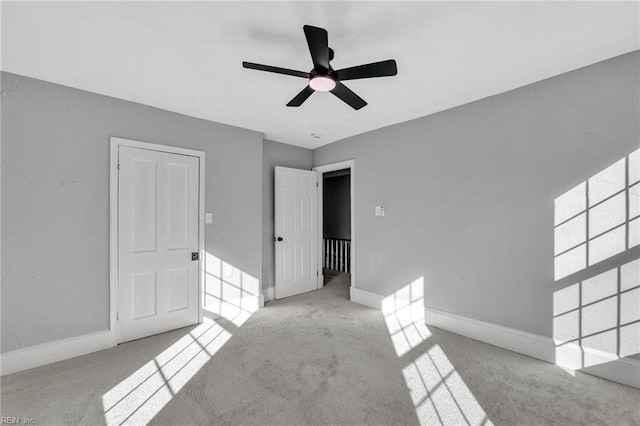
x: 376, y: 69
x: 350, y: 98
x: 318, y: 41
x: 301, y: 97
x: 276, y: 70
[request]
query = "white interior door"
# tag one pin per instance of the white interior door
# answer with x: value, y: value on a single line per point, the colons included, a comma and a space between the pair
x: 157, y: 234
x: 296, y: 198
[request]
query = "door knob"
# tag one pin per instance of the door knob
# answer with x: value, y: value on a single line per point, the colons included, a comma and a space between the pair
x: 279, y: 238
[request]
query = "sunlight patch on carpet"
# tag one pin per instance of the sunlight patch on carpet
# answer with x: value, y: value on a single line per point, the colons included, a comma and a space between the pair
x: 439, y: 394
x: 138, y: 398
x: 437, y: 391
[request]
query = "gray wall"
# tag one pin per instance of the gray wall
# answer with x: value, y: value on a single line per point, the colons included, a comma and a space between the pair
x: 470, y: 191
x: 55, y: 201
x: 336, y: 217
x: 275, y: 154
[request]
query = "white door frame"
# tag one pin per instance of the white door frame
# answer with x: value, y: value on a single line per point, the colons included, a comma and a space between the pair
x: 351, y: 165
x: 116, y: 143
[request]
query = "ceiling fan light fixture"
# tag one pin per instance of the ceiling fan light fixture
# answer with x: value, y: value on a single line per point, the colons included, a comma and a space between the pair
x: 322, y: 83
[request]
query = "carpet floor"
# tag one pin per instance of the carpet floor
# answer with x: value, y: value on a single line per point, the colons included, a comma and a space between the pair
x: 313, y: 359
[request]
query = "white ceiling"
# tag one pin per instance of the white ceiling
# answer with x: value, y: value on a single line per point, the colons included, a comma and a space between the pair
x: 186, y: 57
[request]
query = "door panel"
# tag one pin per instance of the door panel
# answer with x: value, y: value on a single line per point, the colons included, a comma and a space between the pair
x: 143, y: 295
x: 157, y: 232
x: 178, y: 225
x: 144, y: 205
x: 288, y: 263
x: 306, y: 260
x: 306, y: 215
x: 178, y: 287
x: 296, y: 223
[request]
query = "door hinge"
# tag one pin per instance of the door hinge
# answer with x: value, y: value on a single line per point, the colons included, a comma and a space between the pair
x: 118, y: 165
x: 317, y: 273
x: 316, y: 184
x: 117, y: 316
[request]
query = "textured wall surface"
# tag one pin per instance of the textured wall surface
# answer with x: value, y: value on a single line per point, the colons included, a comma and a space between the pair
x: 55, y: 201
x: 470, y: 192
x: 275, y: 154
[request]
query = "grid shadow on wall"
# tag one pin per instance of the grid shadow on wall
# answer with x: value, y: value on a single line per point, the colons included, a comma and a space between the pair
x: 596, y: 318
x: 598, y: 218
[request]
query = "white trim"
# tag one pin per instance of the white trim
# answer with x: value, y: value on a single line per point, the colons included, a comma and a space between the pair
x: 268, y: 293
x: 572, y: 356
x: 157, y: 147
x: 591, y: 361
x: 624, y: 370
x: 201, y: 233
x: 508, y: 338
x: 47, y: 353
x: 366, y: 298
x: 113, y: 241
x: 117, y: 142
x: 351, y: 165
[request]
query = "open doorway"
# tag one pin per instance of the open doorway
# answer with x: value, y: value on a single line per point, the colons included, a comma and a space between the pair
x: 335, y: 227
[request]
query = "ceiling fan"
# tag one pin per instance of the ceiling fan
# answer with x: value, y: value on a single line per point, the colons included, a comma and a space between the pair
x: 323, y: 78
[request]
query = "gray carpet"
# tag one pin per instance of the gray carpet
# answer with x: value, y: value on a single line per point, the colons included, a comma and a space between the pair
x: 312, y: 359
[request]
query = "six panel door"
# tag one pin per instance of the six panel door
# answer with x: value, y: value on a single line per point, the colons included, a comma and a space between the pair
x: 157, y: 233
x: 296, y: 200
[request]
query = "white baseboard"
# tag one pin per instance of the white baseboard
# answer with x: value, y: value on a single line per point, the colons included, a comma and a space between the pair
x: 625, y: 371
x: 47, y: 353
x: 514, y: 340
x: 366, y: 298
x: 572, y: 356
x: 268, y: 293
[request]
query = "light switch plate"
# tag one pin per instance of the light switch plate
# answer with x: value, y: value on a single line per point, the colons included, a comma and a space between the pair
x: 208, y: 218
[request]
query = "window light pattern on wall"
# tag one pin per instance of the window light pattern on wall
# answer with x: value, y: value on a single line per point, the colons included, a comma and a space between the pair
x: 598, y: 218
x: 229, y: 292
x: 598, y: 319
